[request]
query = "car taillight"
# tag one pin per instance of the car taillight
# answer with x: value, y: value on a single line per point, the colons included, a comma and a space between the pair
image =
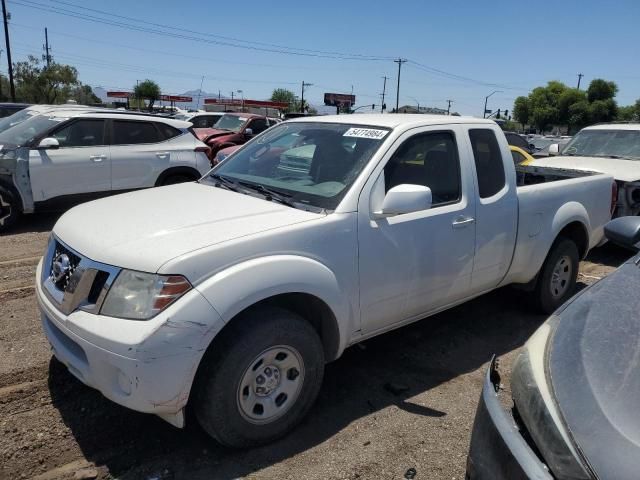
x: 614, y: 197
x: 206, y: 150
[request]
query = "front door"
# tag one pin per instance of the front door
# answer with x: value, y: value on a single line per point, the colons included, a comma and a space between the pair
x: 81, y: 164
x: 415, y: 263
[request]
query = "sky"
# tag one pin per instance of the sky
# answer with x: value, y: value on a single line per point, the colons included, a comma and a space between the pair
x: 460, y: 50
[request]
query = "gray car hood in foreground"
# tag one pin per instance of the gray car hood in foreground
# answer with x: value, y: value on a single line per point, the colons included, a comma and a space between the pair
x: 145, y: 229
x: 594, y: 365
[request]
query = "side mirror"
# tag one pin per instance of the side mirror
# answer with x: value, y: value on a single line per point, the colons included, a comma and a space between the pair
x: 405, y: 198
x: 554, y: 149
x: 48, y: 143
x: 624, y: 231
x: 248, y: 132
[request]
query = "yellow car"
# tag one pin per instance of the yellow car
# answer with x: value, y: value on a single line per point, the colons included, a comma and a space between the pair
x: 520, y: 157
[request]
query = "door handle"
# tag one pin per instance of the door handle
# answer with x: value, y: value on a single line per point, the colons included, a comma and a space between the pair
x: 463, y: 221
x: 97, y: 158
x: 162, y: 154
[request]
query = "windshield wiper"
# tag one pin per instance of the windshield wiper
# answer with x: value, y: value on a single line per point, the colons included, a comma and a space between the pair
x: 224, y: 182
x: 269, y: 194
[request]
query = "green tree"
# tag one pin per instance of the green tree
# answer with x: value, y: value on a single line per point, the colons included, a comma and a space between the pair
x: 83, y: 94
x: 521, y: 110
x: 147, y: 90
x: 284, y: 95
x: 569, y: 97
x: 600, y: 89
x: 36, y: 83
x: 629, y: 113
x: 603, y: 111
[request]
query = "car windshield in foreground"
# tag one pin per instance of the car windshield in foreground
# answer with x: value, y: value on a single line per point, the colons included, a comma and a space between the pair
x: 623, y: 144
x: 18, y: 117
x: 23, y: 133
x: 231, y: 122
x: 307, y: 163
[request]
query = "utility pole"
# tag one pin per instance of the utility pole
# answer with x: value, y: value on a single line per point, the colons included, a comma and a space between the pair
x: 400, y: 61
x: 304, y: 84
x: 47, y: 55
x: 384, y: 90
x: 580, y: 75
x: 199, y: 94
x: 449, y: 102
x: 6, y: 39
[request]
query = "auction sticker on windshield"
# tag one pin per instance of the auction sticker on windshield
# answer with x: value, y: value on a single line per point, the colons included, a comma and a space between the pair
x: 365, y: 133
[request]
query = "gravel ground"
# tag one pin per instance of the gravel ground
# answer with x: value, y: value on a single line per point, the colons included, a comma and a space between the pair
x: 53, y: 427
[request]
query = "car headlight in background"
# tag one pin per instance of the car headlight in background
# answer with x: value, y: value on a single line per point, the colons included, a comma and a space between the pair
x: 140, y: 296
x: 536, y: 408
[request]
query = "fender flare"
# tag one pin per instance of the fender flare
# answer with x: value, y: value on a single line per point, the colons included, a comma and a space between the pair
x: 179, y: 170
x: 238, y: 287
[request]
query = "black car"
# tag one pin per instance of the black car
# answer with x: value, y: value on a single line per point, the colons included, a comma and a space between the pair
x: 7, y: 109
x: 575, y: 388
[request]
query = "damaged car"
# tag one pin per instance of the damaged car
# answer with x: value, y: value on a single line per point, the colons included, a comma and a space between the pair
x: 575, y: 388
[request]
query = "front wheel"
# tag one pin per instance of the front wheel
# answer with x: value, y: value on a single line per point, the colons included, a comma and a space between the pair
x: 557, y: 279
x: 260, y: 379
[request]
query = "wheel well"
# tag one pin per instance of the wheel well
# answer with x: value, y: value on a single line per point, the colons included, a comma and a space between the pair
x: 576, y: 232
x: 188, y: 171
x: 313, y: 310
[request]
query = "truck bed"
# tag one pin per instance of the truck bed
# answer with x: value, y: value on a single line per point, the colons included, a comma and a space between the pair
x: 543, y: 195
x: 532, y: 175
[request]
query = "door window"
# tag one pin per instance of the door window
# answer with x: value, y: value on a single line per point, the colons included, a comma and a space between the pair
x: 431, y: 160
x: 131, y: 133
x: 258, y: 125
x: 82, y: 133
x: 518, y: 158
x: 167, y: 131
x: 488, y: 160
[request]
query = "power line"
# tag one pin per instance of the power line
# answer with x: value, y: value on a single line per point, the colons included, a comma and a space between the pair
x: 158, y: 31
x: 461, y: 78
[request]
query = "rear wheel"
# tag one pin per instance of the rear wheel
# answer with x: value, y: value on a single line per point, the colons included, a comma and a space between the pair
x: 260, y: 378
x: 557, y: 279
x: 9, y: 209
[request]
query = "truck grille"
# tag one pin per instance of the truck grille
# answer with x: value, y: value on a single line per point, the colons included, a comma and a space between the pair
x: 74, y: 282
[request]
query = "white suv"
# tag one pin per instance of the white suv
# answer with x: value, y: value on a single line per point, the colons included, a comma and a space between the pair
x: 62, y: 156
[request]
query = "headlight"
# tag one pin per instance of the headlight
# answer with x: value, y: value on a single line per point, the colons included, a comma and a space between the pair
x: 537, y: 409
x: 140, y: 296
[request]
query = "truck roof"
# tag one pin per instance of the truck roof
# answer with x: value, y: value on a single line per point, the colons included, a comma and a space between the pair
x: 394, y: 120
x: 614, y: 126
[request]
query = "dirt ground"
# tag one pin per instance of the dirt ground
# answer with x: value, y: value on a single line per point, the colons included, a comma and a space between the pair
x: 53, y: 427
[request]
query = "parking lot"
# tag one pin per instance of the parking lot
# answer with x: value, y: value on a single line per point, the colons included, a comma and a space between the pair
x: 402, y: 400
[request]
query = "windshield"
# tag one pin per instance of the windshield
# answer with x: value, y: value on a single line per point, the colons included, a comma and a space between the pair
x: 231, y: 122
x: 312, y: 163
x: 17, y: 118
x: 605, y: 143
x: 25, y: 132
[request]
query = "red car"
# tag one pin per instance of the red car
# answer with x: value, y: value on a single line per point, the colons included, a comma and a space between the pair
x: 232, y: 129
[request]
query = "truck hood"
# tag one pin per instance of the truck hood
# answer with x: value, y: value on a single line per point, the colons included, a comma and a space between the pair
x: 623, y: 170
x: 145, y: 229
x: 205, y: 134
x: 593, y: 367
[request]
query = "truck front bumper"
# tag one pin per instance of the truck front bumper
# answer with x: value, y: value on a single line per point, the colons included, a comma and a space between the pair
x: 148, y: 366
x: 498, y: 451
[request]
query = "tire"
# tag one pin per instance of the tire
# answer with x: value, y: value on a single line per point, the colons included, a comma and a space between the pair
x: 174, y: 179
x: 9, y: 208
x: 557, y: 278
x: 241, y: 400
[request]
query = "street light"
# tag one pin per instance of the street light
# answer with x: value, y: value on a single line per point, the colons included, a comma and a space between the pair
x: 484, y: 113
x: 417, y: 102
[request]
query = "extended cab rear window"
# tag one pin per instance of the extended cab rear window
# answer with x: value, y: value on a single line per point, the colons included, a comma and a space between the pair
x: 488, y: 160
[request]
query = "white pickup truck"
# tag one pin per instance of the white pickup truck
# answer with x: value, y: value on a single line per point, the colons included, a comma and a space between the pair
x: 231, y: 293
x: 611, y: 148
